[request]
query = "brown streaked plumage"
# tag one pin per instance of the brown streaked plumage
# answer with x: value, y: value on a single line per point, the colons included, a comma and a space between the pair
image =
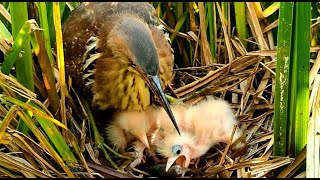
x: 118, y: 51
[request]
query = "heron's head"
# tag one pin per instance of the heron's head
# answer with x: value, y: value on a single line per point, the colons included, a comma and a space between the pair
x: 131, y: 40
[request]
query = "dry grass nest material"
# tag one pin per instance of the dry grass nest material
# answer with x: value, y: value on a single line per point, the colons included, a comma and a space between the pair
x: 247, y: 83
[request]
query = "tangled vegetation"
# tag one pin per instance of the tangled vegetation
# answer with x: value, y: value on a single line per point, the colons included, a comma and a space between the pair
x: 260, y: 57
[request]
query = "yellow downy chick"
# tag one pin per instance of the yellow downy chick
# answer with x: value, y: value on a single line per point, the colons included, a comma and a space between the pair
x: 132, y: 127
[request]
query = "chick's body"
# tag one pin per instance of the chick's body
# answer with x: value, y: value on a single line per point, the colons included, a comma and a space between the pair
x: 202, y: 126
x: 132, y: 128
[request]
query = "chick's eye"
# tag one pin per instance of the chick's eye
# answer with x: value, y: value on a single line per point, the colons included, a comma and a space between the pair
x: 176, y: 149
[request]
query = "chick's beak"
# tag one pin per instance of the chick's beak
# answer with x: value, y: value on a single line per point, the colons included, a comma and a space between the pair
x: 143, y: 138
x: 157, y: 90
x: 183, y: 159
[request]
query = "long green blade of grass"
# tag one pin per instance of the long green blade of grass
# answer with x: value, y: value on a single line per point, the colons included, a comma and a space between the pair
x: 315, y: 30
x: 6, y: 121
x: 224, y: 9
x: 32, y: 110
x: 5, y: 16
x: 19, y: 15
x: 21, y: 40
x: 47, y: 69
x: 178, y: 26
x: 179, y: 10
x: 206, y: 13
x: 281, y: 110
x: 271, y: 9
x: 60, y: 59
x: 24, y: 71
x: 73, y: 5
x: 291, y: 107
x: 299, y: 100
x: 45, y: 25
x: 50, y: 22
x: 4, y: 33
x: 43, y: 140
x: 62, y: 7
x: 240, y: 15
x: 210, y: 17
x: 56, y: 137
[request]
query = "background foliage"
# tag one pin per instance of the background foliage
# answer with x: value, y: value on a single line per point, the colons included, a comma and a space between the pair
x: 261, y: 57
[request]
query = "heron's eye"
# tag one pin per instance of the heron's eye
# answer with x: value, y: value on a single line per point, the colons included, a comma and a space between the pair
x: 176, y: 149
x: 134, y: 65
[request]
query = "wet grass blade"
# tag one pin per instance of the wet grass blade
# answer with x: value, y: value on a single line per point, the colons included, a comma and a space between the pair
x: 281, y: 110
x: 6, y: 15
x: 240, y: 16
x: 45, y: 26
x: 55, y: 137
x: 179, y: 10
x: 21, y: 40
x: 4, y: 33
x: 47, y: 69
x: 24, y: 71
x: 72, y: 5
x: 271, y: 9
x: 299, y: 100
x: 50, y: 23
x: 178, y: 26
x: 62, y: 7
x: 292, y: 80
x: 40, y: 114
x: 43, y: 140
x: 60, y: 59
x: 315, y: 29
x: 19, y: 15
x: 224, y: 10
x: 211, y: 24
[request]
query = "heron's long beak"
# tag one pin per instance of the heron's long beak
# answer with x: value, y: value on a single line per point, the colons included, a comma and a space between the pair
x: 157, y: 90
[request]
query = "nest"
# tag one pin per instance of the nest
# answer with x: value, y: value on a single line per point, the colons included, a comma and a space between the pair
x: 247, y: 83
x: 246, y: 80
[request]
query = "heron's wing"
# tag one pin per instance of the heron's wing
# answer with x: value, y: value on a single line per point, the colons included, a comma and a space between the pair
x: 85, y: 22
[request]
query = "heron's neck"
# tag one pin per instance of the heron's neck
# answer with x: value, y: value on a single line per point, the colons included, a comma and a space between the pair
x: 122, y: 88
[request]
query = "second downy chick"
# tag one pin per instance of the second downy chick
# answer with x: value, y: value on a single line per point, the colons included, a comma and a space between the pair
x: 132, y: 128
x: 202, y: 126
